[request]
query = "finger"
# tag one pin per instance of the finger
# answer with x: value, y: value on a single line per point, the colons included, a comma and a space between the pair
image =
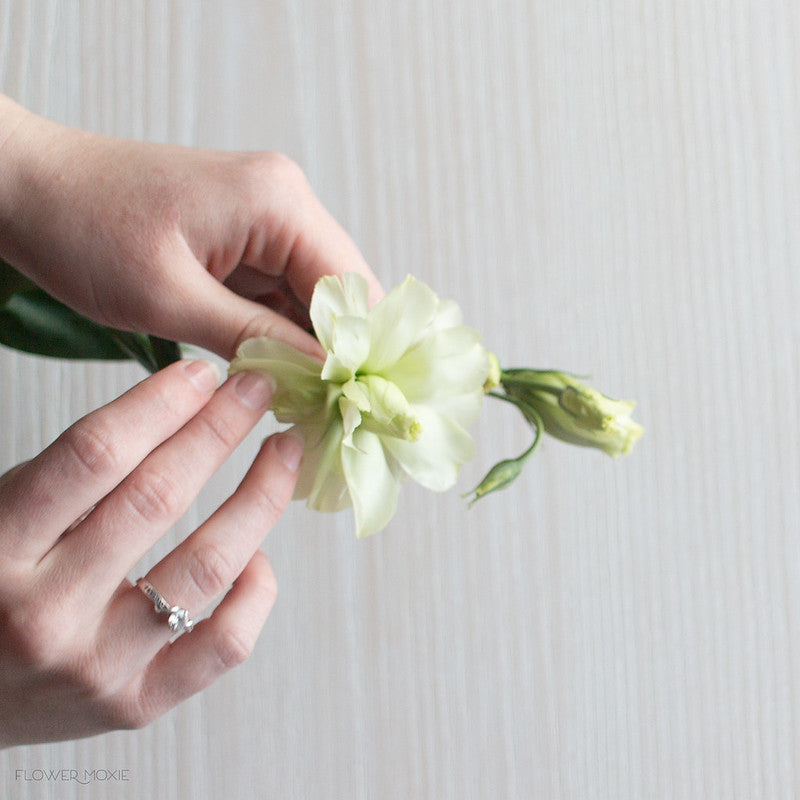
x: 208, y: 561
x: 223, y: 320
x: 44, y: 496
x: 318, y: 246
x: 200, y: 569
x: 217, y: 644
x: 292, y: 235
x: 274, y: 293
x: 126, y: 524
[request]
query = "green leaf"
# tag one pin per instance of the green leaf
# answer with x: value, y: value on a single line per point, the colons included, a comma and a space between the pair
x: 12, y: 282
x: 34, y: 322
x: 136, y: 346
x: 165, y: 351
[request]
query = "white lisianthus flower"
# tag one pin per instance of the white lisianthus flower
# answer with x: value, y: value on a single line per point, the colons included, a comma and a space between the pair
x: 400, y: 385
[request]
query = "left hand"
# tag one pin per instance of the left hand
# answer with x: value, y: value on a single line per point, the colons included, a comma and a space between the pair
x: 82, y: 650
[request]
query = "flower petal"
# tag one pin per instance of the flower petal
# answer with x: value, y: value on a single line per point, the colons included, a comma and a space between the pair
x: 389, y: 412
x: 350, y: 348
x: 399, y: 387
x: 334, y: 298
x: 434, y: 460
x: 463, y: 409
x: 300, y: 395
x: 447, y: 363
x: 351, y: 419
x: 397, y: 322
x: 373, y: 482
x: 321, y: 481
x: 356, y: 391
x: 448, y: 315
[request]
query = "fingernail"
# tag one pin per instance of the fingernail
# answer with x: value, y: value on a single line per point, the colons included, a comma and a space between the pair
x: 203, y: 374
x: 255, y: 389
x: 290, y: 449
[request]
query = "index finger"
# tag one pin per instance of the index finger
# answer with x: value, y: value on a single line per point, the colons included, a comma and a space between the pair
x: 44, y: 496
x: 306, y: 242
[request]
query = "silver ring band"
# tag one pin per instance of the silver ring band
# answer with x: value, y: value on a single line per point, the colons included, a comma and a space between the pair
x: 178, y: 619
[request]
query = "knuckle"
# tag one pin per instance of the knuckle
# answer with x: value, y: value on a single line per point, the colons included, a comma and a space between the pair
x: 267, y: 503
x: 272, y: 167
x: 133, y: 717
x: 269, y: 588
x: 161, y: 402
x: 210, y: 570
x: 92, y: 448
x: 263, y: 324
x: 263, y: 175
x: 129, y: 714
x: 88, y: 676
x: 232, y: 648
x: 219, y: 430
x: 8, y: 478
x: 133, y: 706
x: 35, y: 636
x: 153, y: 496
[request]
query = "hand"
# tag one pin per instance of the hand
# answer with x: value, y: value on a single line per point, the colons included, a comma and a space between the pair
x: 82, y: 650
x: 203, y: 247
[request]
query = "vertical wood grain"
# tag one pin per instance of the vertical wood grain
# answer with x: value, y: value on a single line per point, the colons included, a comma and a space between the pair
x: 607, y: 187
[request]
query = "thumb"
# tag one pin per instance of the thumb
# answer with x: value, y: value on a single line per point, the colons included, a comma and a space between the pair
x: 217, y: 319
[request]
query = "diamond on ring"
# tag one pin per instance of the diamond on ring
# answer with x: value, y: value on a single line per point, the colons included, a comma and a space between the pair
x: 178, y: 619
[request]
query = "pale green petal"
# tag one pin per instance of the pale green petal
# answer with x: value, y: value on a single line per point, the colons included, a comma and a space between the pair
x: 398, y: 321
x: 334, y: 370
x: 312, y: 440
x: 399, y: 386
x: 434, y: 460
x: 354, y: 390
x: 463, y: 409
x: 300, y: 395
x: 372, y: 482
x: 449, y: 362
x: 389, y: 412
x: 350, y: 348
x: 334, y: 297
x: 351, y: 419
x: 321, y: 481
x: 448, y: 315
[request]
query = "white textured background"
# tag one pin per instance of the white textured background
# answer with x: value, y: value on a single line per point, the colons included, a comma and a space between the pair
x: 607, y: 186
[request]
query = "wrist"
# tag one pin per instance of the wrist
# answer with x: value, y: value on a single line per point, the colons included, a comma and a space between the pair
x: 25, y: 141
x: 12, y: 118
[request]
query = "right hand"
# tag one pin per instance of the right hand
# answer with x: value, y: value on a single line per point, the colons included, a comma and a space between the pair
x: 200, y: 246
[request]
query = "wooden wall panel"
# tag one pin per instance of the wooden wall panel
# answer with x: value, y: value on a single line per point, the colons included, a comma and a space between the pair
x: 609, y: 187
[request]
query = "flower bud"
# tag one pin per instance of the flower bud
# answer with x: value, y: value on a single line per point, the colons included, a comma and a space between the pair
x: 574, y: 412
x: 502, y: 474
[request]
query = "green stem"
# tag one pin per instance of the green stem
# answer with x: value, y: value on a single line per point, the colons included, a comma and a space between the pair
x: 532, y: 416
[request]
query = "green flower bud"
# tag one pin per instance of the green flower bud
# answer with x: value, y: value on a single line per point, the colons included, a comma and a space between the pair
x: 574, y: 412
x: 498, y: 477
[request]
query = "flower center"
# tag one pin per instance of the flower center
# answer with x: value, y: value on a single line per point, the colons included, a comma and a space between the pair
x: 377, y: 405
